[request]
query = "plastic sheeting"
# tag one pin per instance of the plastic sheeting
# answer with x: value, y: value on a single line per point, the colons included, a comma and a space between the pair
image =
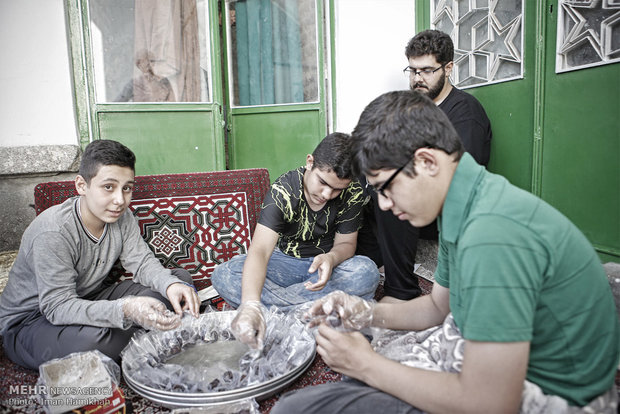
x: 246, y: 406
x: 79, y: 379
x: 202, y: 355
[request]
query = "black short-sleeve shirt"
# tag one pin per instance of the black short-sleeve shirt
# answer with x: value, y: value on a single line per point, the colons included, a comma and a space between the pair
x: 471, y: 123
x: 304, y: 232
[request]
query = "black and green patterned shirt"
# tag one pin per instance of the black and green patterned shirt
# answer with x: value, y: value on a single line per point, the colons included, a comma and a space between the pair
x: 303, y: 232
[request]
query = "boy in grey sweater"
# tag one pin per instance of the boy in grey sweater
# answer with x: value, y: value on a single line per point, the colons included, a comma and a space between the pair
x: 58, y: 298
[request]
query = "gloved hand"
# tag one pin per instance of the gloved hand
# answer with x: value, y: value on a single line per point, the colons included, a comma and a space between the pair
x: 149, y: 313
x: 182, y: 292
x: 249, y: 324
x: 353, y: 312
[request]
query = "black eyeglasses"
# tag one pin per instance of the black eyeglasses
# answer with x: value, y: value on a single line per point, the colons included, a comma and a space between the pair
x: 425, y: 73
x: 381, y: 189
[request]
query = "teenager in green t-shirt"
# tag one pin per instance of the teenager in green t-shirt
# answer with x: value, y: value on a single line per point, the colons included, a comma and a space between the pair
x: 523, y: 284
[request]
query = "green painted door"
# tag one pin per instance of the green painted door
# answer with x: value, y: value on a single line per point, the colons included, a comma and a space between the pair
x: 580, y: 172
x: 148, y: 74
x: 167, y: 141
x: 202, y: 85
x: 484, y: 41
x: 276, y: 97
x: 556, y: 134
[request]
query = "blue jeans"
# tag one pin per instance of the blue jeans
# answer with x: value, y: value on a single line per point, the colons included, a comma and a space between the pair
x: 286, y: 275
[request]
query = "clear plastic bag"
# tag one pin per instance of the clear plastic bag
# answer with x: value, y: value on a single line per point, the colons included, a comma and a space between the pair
x: 79, y: 379
x: 155, y: 359
x: 246, y: 406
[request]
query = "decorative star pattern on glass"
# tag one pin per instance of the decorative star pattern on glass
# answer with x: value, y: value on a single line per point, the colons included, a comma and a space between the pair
x: 588, y: 34
x: 487, y: 36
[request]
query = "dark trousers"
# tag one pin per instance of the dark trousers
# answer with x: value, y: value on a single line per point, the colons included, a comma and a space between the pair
x: 346, y: 397
x: 35, y: 340
x: 392, y: 243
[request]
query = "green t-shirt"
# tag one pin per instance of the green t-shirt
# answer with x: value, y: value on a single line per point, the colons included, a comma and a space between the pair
x: 518, y: 270
x: 304, y: 232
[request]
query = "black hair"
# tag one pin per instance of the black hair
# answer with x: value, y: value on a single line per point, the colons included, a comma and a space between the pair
x: 105, y: 152
x: 431, y: 42
x: 334, y: 153
x: 394, y: 126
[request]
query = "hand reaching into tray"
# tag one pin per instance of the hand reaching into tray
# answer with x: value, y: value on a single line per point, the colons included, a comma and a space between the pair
x: 249, y: 324
x: 183, y: 297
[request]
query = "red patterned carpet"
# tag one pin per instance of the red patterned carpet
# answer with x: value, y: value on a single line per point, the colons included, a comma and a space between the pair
x: 17, y: 384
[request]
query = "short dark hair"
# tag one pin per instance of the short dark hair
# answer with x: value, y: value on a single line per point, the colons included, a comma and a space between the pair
x: 105, y: 152
x: 431, y: 42
x: 334, y: 153
x: 394, y: 126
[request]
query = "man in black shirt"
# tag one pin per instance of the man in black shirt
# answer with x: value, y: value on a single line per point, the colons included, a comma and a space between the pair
x: 304, y: 243
x: 384, y: 238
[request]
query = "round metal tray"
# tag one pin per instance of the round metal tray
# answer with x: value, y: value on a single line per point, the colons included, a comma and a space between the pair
x: 260, y: 391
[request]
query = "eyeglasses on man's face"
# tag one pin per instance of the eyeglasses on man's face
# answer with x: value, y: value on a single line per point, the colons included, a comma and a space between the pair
x: 381, y: 189
x: 425, y: 72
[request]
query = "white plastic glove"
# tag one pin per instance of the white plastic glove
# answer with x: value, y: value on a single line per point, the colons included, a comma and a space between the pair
x: 185, y: 293
x: 150, y: 313
x: 339, y: 309
x: 249, y: 324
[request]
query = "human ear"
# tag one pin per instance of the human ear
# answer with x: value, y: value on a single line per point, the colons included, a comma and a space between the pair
x: 449, y: 66
x: 80, y: 184
x: 426, y: 159
x: 309, y: 161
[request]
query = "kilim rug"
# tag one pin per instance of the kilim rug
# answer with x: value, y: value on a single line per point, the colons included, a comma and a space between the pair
x: 17, y: 384
x: 195, y: 232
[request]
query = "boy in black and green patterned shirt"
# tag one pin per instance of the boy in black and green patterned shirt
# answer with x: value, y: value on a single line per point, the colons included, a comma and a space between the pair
x: 304, y: 243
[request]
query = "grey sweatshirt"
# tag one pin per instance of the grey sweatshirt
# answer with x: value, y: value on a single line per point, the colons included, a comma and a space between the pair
x: 59, y: 263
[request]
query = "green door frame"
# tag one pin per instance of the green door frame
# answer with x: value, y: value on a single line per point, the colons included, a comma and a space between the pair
x: 257, y: 135
x: 580, y: 142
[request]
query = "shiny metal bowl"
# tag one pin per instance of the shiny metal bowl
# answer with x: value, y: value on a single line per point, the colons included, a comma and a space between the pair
x: 153, y: 362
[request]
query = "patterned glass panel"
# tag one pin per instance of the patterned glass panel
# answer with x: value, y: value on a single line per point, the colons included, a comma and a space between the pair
x: 487, y: 36
x: 588, y: 33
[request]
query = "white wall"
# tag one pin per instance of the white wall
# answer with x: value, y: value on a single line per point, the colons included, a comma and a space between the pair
x: 36, y: 104
x: 371, y: 36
